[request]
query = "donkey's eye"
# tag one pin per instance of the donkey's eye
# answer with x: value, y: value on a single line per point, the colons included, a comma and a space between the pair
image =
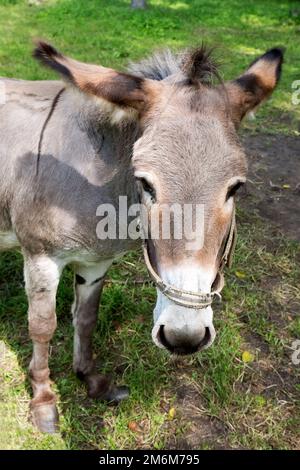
x: 233, y: 189
x: 147, y: 189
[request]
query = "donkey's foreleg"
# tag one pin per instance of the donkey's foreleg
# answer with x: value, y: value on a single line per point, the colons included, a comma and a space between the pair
x: 88, y: 288
x: 41, y: 280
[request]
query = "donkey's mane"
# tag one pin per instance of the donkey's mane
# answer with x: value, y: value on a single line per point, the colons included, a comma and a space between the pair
x: 196, y: 65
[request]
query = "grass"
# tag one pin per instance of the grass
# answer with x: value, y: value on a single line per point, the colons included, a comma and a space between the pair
x: 219, y: 400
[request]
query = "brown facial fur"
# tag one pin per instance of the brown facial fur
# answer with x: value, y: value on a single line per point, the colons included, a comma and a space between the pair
x: 193, y: 153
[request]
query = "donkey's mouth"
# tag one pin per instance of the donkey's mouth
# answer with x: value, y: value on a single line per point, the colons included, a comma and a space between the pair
x: 183, y: 347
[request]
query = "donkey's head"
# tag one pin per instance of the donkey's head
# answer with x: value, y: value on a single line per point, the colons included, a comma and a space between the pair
x: 189, y: 155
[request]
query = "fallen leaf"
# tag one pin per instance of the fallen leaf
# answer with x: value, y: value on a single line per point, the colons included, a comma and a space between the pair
x: 172, y: 413
x: 286, y: 186
x: 133, y: 426
x: 240, y: 274
x: 247, y: 356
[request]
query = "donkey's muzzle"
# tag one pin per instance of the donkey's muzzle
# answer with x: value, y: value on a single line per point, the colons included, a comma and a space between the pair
x: 183, y: 330
x: 183, y: 344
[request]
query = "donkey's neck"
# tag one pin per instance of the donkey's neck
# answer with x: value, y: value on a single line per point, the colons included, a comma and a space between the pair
x: 109, y: 144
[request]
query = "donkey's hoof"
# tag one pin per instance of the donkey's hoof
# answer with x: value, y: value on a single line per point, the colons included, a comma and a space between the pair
x: 97, y: 385
x: 45, y: 417
x: 118, y: 394
x: 101, y: 387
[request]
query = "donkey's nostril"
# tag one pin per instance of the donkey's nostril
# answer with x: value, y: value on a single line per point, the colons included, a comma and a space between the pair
x: 184, y: 345
x: 162, y: 338
x: 206, y: 339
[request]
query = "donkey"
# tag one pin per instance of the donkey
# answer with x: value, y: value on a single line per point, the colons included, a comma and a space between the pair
x: 163, y: 132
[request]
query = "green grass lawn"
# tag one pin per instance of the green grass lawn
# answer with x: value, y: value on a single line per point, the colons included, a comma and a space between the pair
x: 243, y: 404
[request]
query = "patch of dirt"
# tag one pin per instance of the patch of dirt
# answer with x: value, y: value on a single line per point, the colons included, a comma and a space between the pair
x: 200, y: 430
x: 273, y: 188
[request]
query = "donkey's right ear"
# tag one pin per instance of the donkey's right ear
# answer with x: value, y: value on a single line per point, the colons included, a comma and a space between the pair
x: 256, y: 84
x: 119, y: 89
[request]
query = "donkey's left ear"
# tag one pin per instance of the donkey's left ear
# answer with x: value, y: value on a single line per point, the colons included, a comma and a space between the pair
x: 119, y: 90
x: 255, y: 85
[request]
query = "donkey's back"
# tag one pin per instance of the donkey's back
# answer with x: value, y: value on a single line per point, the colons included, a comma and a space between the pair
x: 24, y: 106
x: 58, y: 164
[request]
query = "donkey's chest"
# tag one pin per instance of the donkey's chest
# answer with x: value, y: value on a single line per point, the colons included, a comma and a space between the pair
x: 84, y: 255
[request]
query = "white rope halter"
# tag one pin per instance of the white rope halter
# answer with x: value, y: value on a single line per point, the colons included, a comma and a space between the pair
x: 185, y: 298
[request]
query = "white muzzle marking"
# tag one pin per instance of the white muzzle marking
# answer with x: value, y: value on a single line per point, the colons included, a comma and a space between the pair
x: 185, y: 323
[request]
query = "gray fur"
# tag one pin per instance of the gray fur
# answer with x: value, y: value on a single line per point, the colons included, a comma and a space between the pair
x: 158, y: 66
